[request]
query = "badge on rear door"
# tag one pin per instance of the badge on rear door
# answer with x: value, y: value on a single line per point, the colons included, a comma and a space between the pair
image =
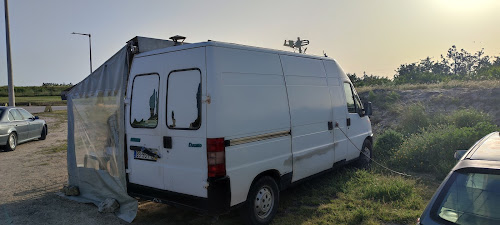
x: 194, y: 145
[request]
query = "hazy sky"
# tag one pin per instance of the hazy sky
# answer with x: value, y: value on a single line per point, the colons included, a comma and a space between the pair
x: 375, y: 36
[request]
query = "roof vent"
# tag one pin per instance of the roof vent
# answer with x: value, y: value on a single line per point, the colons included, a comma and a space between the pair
x: 178, y: 38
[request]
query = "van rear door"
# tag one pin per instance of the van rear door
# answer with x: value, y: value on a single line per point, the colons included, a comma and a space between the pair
x: 143, y: 132
x: 184, y: 133
x: 166, y: 134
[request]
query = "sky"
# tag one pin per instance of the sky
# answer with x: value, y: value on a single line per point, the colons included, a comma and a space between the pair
x: 372, y: 36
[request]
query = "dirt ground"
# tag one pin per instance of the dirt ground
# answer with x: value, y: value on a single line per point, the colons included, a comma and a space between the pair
x: 32, y: 175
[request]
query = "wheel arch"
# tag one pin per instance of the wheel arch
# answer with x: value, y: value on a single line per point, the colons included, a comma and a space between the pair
x: 12, y: 129
x: 273, y: 173
x: 370, y: 138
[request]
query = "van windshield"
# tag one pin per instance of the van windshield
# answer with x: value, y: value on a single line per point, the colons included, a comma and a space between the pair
x: 470, y: 198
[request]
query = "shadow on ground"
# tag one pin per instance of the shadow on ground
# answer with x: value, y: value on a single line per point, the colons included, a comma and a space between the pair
x: 46, y: 207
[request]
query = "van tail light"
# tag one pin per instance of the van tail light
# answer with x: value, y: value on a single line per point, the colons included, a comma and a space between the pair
x: 216, y: 157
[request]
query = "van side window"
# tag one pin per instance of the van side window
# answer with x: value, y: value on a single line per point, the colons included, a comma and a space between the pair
x: 351, y: 108
x: 184, y: 99
x: 144, y: 104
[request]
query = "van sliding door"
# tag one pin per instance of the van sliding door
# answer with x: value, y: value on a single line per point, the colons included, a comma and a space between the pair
x: 311, y: 115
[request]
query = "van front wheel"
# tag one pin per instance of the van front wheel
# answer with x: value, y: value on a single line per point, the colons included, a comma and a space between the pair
x: 365, y: 156
x: 262, y: 202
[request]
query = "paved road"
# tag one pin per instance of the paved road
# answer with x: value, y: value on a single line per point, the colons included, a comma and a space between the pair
x: 39, y: 109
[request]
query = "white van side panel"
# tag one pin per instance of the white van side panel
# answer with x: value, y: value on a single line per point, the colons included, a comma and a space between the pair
x: 248, y: 98
x: 310, y: 110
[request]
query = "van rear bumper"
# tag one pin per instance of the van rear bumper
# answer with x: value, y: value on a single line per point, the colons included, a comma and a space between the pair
x: 218, y: 201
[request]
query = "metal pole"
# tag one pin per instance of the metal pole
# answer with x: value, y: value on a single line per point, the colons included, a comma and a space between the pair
x: 12, y: 99
x: 90, y: 47
x: 90, y: 50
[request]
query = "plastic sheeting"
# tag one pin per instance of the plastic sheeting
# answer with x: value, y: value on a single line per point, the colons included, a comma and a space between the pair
x: 96, y: 136
x: 96, y: 130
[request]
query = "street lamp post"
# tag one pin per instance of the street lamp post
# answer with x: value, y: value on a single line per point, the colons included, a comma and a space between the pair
x: 90, y: 47
x: 12, y: 99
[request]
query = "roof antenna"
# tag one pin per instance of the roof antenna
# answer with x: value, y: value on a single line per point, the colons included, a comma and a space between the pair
x: 324, y: 53
x: 176, y: 39
x: 297, y: 44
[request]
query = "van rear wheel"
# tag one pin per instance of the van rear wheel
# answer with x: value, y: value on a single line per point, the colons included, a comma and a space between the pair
x: 262, y: 202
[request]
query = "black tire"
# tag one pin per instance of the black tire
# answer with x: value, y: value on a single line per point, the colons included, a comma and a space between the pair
x: 43, y: 136
x: 364, y: 160
x: 11, y: 142
x: 262, y: 202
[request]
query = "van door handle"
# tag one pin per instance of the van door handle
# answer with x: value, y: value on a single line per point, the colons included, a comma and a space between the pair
x: 167, y: 142
x: 348, y: 121
x: 330, y: 125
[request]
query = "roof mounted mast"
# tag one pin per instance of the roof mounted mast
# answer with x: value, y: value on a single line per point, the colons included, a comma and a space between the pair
x: 297, y: 44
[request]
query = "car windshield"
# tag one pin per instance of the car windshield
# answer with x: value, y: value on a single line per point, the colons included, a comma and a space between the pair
x: 470, y: 198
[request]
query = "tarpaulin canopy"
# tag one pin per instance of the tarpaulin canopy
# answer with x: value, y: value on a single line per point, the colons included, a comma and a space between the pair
x: 96, y: 130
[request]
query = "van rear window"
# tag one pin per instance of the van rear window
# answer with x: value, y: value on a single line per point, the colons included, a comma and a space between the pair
x: 184, y: 99
x: 144, y: 105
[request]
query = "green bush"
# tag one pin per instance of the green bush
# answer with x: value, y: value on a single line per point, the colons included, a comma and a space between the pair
x: 383, y: 100
x: 432, y: 150
x: 372, y: 97
x: 387, y: 143
x: 468, y: 118
x: 413, y: 119
x: 392, y: 97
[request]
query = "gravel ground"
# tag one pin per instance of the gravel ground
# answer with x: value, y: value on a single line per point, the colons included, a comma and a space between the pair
x: 32, y: 175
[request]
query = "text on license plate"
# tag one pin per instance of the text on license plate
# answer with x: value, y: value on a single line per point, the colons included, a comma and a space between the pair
x: 143, y: 156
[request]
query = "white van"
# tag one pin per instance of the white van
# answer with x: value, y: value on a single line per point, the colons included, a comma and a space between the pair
x: 214, y: 126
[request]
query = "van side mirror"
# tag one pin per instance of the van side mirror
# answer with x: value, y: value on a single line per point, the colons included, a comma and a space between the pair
x: 368, y: 108
x: 36, y: 117
x: 459, y: 153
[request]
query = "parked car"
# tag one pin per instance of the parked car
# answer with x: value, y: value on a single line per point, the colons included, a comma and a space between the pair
x: 18, y: 125
x: 471, y: 192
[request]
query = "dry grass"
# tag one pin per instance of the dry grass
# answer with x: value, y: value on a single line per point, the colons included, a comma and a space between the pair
x: 443, y: 85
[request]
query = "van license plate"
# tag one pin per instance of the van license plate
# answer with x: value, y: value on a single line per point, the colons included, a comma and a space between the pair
x: 143, y: 156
